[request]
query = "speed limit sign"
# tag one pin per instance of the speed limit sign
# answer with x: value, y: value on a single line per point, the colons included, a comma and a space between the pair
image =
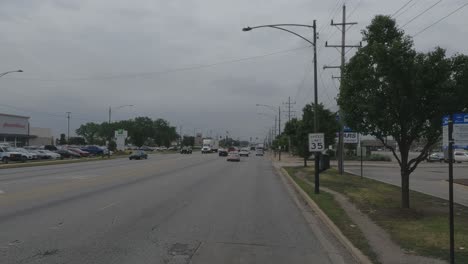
x: 316, y: 142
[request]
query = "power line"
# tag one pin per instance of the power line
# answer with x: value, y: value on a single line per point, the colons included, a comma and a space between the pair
x: 422, y: 13
x: 406, y: 10
x: 148, y: 74
x: 403, y: 6
x: 438, y: 21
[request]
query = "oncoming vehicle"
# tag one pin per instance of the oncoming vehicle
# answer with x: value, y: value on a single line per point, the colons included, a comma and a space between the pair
x: 138, y: 155
x: 233, y: 156
x: 244, y: 152
x: 186, y: 150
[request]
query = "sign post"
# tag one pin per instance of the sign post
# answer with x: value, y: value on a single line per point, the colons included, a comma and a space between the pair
x: 317, y: 145
x: 451, y: 220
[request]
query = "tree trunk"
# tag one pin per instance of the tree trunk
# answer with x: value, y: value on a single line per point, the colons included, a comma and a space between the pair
x: 405, y: 200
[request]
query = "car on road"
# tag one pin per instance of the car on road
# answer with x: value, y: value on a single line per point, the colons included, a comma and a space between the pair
x: 66, y: 154
x: 233, y: 156
x: 138, y: 155
x: 460, y: 156
x: 436, y: 157
x: 186, y: 150
x: 244, y: 152
x: 222, y: 152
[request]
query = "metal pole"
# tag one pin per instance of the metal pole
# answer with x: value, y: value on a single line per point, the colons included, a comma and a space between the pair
x: 362, y: 175
x: 68, y: 133
x: 316, y: 125
x: 279, y: 130
x: 341, y: 140
x: 451, y: 217
x: 110, y: 113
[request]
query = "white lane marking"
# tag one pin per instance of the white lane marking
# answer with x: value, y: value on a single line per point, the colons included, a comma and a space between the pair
x: 107, y: 206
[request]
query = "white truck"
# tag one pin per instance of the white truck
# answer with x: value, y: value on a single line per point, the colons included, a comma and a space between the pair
x: 7, y: 154
x: 209, y: 145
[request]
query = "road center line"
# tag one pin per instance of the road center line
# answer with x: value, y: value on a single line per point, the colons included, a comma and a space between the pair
x: 107, y: 206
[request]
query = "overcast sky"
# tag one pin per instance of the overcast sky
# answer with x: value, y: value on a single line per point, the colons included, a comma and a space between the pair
x: 83, y: 56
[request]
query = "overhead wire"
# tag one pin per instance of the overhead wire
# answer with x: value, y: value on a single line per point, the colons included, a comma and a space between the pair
x: 422, y: 13
x: 134, y: 75
x: 439, y: 20
x: 407, y: 9
x: 403, y: 6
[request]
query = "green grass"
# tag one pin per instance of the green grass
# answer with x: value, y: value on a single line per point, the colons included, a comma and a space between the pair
x: 423, y: 229
x: 12, y: 165
x: 332, y: 209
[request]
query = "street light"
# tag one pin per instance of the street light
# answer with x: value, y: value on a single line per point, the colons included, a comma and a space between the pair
x: 5, y: 73
x: 115, y: 108
x: 314, y: 44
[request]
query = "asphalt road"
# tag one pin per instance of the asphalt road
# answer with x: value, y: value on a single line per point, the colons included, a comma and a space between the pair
x: 167, y: 209
x: 429, y: 178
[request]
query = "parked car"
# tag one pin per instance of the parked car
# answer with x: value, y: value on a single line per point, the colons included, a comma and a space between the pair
x: 139, y: 154
x: 460, y: 156
x: 244, y: 152
x: 50, y: 147
x: 65, y: 154
x: 186, y: 150
x: 26, y: 153
x: 436, y: 157
x: 93, y: 150
x: 233, y: 156
x: 146, y: 148
x: 222, y: 152
x: 82, y: 153
x: 51, y: 154
x: 7, y: 154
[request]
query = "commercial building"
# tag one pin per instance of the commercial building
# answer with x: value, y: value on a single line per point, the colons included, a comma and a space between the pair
x: 16, y: 130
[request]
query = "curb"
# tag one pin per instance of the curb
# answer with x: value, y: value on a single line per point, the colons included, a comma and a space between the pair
x: 355, y: 252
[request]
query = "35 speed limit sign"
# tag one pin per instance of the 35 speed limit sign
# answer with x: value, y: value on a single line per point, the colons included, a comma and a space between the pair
x: 316, y: 142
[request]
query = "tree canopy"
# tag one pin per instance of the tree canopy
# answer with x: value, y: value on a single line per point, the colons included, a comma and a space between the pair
x: 389, y: 89
x: 141, y: 130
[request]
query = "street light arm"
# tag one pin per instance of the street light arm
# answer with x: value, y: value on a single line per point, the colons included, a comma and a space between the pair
x: 278, y: 26
x: 5, y: 73
x: 121, y: 106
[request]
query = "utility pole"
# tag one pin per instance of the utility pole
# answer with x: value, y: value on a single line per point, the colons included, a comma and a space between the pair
x: 68, y: 134
x: 110, y: 114
x: 180, y: 134
x: 289, y: 104
x: 275, y: 127
x: 343, y: 46
x: 279, y: 130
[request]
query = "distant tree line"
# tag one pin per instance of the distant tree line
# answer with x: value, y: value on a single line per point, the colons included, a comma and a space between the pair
x: 141, y: 131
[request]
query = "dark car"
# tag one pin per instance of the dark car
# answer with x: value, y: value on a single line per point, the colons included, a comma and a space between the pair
x: 93, y: 150
x: 138, y: 155
x: 222, y: 152
x: 65, y: 153
x: 50, y: 148
x: 186, y: 150
x: 436, y: 157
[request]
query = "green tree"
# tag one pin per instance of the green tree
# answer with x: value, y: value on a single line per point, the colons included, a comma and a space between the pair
x: 89, y: 131
x: 188, y: 141
x: 77, y: 141
x: 388, y: 89
x: 63, y: 139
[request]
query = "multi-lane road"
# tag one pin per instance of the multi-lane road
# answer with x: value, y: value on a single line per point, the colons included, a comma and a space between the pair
x: 167, y: 209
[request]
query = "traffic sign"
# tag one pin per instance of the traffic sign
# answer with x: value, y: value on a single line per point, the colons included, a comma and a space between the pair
x: 350, y: 138
x: 316, y: 142
x: 460, y: 131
